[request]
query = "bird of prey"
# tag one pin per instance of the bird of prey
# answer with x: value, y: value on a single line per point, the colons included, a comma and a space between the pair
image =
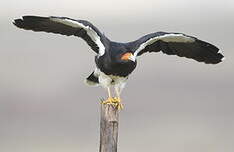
x: 115, y: 61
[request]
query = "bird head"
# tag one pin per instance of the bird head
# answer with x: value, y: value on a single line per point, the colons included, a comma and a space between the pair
x: 128, y: 56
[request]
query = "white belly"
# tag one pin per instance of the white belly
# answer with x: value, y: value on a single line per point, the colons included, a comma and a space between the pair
x: 108, y: 80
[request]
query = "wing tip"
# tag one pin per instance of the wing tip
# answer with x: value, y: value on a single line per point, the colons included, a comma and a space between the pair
x: 215, y: 54
x: 218, y: 59
x: 18, y: 23
x: 27, y: 22
x: 222, y: 58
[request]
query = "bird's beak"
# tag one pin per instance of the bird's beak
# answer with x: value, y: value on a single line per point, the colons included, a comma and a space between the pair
x: 128, y: 56
x: 132, y: 58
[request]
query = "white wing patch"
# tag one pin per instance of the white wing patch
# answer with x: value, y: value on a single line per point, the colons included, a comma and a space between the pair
x: 92, y: 34
x: 166, y: 38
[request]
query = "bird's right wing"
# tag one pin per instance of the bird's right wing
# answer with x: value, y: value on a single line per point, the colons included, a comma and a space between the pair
x: 177, y: 44
x: 65, y: 26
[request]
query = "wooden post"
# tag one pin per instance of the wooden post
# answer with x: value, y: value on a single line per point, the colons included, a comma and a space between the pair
x: 109, y: 122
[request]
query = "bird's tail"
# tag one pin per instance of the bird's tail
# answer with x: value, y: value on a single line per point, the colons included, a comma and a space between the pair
x: 92, y: 80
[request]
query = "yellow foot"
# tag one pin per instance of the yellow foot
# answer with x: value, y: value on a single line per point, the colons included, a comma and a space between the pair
x: 119, y: 105
x: 110, y: 100
x: 115, y: 102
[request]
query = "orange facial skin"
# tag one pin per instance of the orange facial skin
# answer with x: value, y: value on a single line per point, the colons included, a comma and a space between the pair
x: 126, y: 56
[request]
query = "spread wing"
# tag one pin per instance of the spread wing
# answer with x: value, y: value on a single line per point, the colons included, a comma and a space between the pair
x: 177, y: 44
x: 65, y: 26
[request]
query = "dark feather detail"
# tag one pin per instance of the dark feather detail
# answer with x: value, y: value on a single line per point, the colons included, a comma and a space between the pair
x: 92, y: 79
x: 198, y: 50
x: 47, y: 24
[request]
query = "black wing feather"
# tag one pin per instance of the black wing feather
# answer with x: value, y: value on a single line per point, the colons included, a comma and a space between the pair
x: 198, y: 50
x: 46, y: 24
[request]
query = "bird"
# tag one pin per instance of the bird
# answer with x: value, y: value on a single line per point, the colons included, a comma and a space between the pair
x: 115, y: 61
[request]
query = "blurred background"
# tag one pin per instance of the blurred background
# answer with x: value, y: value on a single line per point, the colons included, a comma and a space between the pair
x: 171, y: 103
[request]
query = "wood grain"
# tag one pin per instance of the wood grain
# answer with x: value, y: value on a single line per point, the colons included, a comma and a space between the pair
x: 109, y: 123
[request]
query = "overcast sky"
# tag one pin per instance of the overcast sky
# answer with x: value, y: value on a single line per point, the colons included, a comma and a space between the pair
x: 171, y: 103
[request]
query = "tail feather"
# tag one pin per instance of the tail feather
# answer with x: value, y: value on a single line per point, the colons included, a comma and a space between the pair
x: 92, y: 80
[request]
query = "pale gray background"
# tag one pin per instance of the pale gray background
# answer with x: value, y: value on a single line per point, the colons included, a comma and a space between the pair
x: 172, y: 104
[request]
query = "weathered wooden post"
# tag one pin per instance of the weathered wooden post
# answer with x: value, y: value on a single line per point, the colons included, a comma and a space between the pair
x: 109, y: 123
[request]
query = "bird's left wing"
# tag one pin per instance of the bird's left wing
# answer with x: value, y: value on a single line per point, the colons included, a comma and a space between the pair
x: 65, y: 26
x: 177, y: 44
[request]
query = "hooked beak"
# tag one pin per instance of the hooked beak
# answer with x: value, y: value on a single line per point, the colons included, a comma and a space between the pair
x: 132, y: 58
x: 128, y: 56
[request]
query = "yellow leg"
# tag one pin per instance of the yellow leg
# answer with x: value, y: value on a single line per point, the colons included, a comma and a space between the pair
x: 118, y: 99
x: 110, y: 99
x: 109, y: 92
x: 113, y: 101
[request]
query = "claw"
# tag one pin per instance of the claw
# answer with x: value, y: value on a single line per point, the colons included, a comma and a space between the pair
x: 119, y: 105
x: 108, y: 101
x: 115, y: 102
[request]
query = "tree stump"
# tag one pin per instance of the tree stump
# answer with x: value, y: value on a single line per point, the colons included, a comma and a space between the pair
x: 109, y: 122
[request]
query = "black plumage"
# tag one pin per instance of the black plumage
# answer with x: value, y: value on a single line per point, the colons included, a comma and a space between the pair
x: 115, y: 61
x: 198, y: 50
x: 111, y: 64
x: 47, y: 24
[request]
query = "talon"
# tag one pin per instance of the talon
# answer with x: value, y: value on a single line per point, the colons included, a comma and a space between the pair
x: 115, y: 102
x: 120, y: 106
x: 110, y: 100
